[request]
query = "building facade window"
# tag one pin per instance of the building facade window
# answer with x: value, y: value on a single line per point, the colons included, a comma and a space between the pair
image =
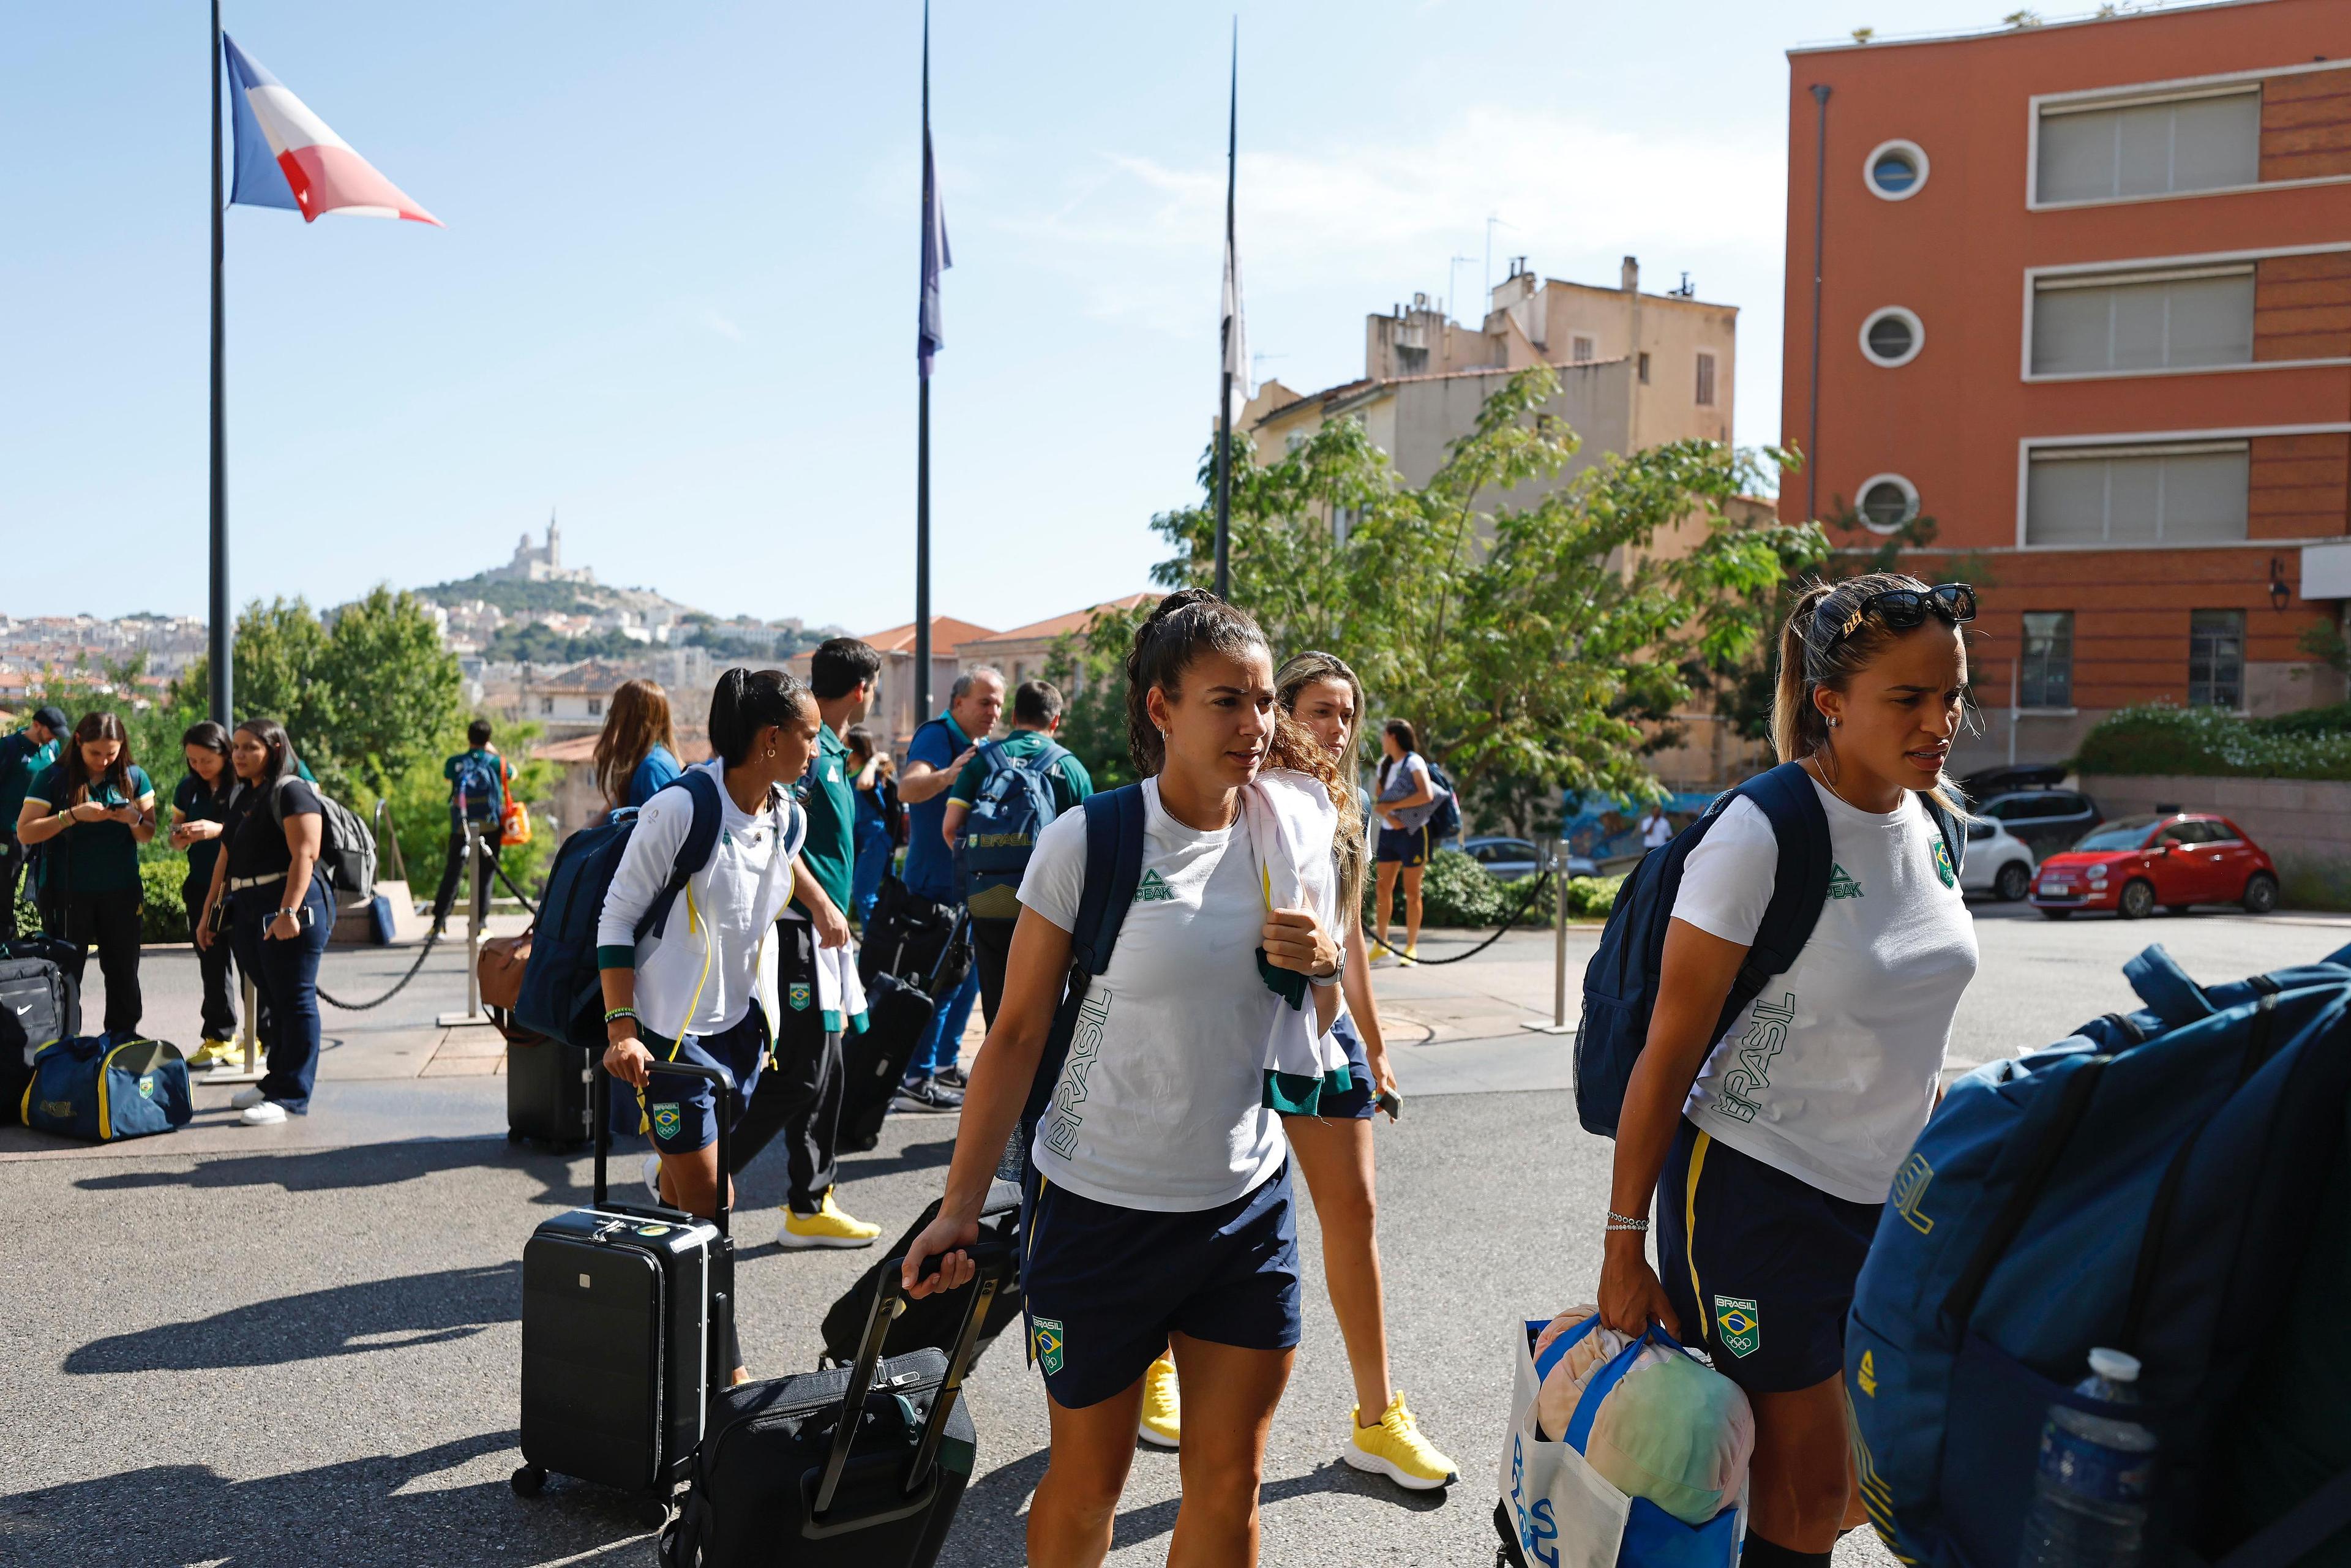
x: 2045, y: 676
x: 2143, y: 320
x: 1888, y: 501
x: 2115, y: 152
x: 1892, y: 335
x: 2216, y: 659
x: 1706, y: 381
x: 1580, y: 350
x: 595, y: 706
x: 546, y: 706
x: 1895, y: 170
x: 1643, y: 363
x: 2184, y: 493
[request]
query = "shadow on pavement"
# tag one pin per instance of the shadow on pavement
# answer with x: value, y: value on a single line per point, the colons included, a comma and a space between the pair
x: 368, y: 1165
x: 992, y: 1525
x: 913, y: 1158
x: 348, y: 1320
x: 364, y: 1513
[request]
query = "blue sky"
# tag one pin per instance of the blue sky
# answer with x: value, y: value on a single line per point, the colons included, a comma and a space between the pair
x: 676, y: 296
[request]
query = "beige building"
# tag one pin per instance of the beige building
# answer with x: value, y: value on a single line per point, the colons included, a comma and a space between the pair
x: 1023, y: 653
x: 891, y: 714
x: 1636, y: 371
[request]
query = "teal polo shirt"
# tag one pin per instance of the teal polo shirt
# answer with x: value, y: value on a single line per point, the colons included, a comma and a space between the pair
x: 830, y: 852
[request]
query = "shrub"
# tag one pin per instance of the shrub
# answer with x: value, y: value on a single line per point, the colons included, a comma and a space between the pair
x: 2206, y: 742
x: 161, y: 917
x: 1592, y: 897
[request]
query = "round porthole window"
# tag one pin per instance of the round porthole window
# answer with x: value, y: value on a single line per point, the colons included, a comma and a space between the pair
x: 1889, y: 501
x: 1892, y: 335
x: 1896, y: 169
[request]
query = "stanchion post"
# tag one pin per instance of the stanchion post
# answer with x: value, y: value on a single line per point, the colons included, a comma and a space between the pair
x: 476, y: 891
x: 1558, y: 1024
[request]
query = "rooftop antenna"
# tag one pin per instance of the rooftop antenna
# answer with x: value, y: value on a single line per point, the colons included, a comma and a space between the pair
x: 1491, y: 219
x: 1452, y: 279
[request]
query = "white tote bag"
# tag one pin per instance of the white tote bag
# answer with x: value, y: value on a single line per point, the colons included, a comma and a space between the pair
x: 1562, y: 1513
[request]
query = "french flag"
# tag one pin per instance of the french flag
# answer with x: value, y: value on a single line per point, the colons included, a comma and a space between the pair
x: 287, y: 157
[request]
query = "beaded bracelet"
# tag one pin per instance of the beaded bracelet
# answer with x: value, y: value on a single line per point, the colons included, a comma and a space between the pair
x: 613, y: 1013
x: 1625, y: 1222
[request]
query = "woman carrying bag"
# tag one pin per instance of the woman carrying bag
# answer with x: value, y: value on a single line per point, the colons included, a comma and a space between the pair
x: 94, y: 806
x: 266, y: 891
x: 1770, y: 1147
x: 1162, y: 1211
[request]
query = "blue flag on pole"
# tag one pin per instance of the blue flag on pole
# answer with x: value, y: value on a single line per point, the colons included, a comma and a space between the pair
x: 929, y: 337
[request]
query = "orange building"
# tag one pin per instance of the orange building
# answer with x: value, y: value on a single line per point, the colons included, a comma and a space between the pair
x: 2084, y: 299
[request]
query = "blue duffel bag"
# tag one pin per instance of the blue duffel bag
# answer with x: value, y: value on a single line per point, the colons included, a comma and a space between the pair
x: 98, y: 1089
x: 2144, y: 1184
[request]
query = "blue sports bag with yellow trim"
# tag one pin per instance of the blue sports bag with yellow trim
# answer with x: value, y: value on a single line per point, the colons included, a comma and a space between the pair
x: 100, y: 1089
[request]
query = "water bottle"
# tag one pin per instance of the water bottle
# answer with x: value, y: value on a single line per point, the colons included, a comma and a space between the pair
x: 2089, y: 1498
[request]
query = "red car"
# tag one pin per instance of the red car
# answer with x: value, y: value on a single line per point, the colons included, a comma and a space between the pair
x: 2136, y: 863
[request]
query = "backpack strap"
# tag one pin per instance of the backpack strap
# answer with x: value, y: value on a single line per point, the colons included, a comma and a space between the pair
x: 1954, y: 832
x: 1798, y: 889
x: 701, y: 843
x: 1113, y: 872
x: 2305, y: 1528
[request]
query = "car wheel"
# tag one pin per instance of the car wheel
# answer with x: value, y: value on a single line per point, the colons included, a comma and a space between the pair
x: 2013, y: 881
x: 2260, y: 892
x: 2055, y: 914
x: 2137, y: 901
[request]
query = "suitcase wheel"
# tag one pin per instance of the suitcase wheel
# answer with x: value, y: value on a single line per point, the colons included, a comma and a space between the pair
x: 527, y: 1480
x: 654, y: 1514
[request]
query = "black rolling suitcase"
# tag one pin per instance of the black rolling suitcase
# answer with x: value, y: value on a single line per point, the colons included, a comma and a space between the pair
x: 863, y: 1464
x: 897, y: 1015
x: 549, y: 1085
x: 625, y: 1313
x: 39, y: 1003
x: 934, y: 1321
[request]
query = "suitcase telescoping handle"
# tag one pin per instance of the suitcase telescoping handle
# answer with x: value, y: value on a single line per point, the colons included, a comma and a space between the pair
x: 994, y: 1261
x: 600, y: 1108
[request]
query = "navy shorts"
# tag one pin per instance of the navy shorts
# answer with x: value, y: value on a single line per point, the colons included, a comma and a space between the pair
x: 1405, y: 846
x: 1102, y: 1287
x: 1362, y: 1099
x: 680, y: 1114
x: 1758, y: 1264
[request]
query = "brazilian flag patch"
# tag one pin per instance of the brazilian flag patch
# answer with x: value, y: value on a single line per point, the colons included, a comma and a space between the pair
x: 1739, y: 1325
x: 1943, y: 863
x: 666, y: 1121
x: 797, y: 995
x: 1046, y: 1337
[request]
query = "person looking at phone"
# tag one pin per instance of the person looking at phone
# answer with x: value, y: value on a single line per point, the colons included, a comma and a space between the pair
x: 278, y: 913
x: 93, y: 808
x: 199, y: 813
x: 22, y: 756
x: 1161, y: 1213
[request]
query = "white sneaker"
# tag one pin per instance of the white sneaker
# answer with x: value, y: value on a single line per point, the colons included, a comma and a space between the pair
x: 652, y: 1175
x: 246, y: 1099
x: 268, y: 1114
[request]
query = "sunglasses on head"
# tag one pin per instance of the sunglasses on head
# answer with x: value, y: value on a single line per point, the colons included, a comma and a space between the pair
x: 1954, y: 603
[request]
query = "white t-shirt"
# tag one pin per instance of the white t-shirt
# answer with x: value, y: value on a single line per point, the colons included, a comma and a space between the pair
x: 1829, y: 1074
x: 1160, y: 1103
x: 1657, y: 830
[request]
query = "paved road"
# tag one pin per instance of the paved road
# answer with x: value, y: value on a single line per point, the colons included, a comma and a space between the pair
x: 298, y: 1346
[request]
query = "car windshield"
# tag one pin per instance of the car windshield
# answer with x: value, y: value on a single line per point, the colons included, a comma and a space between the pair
x: 2127, y: 834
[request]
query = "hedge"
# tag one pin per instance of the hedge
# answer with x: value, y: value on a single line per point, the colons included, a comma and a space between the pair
x: 2209, y: 743
x: 1457, y: 891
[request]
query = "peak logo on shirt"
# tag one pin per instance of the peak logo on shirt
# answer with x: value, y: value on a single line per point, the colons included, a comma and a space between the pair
x: 1842, y: 884
x: 1153, y: 889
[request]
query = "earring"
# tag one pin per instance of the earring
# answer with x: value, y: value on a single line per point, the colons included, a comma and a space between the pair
x: 1833, y: 721
x: 772, y: 750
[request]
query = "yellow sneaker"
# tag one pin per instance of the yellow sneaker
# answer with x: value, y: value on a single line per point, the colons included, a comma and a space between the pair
x: 214, y: 1051
x: 1412, y: 952
x: 1394, y: 1448
x: 828, y: 1227
x: 1162, y: 1425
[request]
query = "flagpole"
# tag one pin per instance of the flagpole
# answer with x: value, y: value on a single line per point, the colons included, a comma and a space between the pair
x: 219, y: 631
x: 923, y: 436
x: 1224, y: 355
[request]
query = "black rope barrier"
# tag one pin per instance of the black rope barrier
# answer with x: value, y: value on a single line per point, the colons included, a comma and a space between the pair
x: 1540, y: 880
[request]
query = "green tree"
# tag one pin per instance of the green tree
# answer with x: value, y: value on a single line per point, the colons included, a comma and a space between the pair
x: 1526, y: 642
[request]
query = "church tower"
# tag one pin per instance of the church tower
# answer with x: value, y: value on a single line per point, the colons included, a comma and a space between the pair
x: 553, y: 540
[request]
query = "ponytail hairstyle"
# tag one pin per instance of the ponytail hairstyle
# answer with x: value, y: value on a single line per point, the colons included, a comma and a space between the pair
x: 209, y: 736
x: 1814, y: 657
x: 280, y: 747
x: 99, y: 726
x: 1402, y: 732
x: 1300, y: 671
x: 746, y: 702
x: 1185, y: 624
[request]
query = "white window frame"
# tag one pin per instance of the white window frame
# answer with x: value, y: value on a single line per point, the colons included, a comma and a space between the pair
x: 1870, y: 168
x: 2027, y: 445
x: 1899, y: 482
x: 1917, y: 336
x: 2034, y: 275
x: 2212, y: 86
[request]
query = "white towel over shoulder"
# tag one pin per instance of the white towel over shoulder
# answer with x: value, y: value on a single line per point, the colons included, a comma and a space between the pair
x: 1292, y: 825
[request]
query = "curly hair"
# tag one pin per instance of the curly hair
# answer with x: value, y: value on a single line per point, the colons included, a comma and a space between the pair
x: 1298, y: 672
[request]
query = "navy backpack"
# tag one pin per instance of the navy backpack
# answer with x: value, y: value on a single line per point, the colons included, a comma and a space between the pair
x: 1620, y: 984
x: 2147, y: 1185
x: 1014, y: 803
x: 562, y: 994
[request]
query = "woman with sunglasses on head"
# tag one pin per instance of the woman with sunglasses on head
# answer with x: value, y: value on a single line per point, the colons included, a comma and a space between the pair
x: 1771, y: 1147
x: 1163, y: 1215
